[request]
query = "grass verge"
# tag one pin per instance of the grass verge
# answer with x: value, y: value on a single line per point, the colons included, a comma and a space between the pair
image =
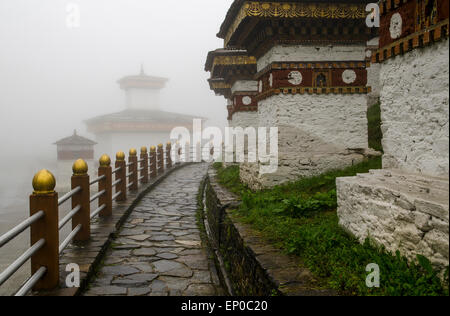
x: 301, y: 219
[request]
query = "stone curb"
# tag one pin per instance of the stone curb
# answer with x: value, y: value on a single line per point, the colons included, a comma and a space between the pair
x: 258, y: 268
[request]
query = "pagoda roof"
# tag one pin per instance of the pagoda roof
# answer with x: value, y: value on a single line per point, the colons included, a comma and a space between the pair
x: 142, y: 81
x: 220, y: 87
x: 222, y: 52
x: 140, y: 121
x: 75, y: 139
x: 131, y: 115
x: 241, y: 10
x: 229, y: 65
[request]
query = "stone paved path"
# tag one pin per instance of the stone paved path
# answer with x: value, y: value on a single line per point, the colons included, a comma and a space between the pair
x: 159, y: 250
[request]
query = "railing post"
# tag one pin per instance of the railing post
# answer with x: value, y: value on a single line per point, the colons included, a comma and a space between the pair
x: 169, y: 155
x: 153, y: 163
x: 160, y: 154
x: 144, y: 165
x: 133, y: 161
x: 105, y: 184
x: 122, y: 175
x: 80, y: 178
x: 45, y: 199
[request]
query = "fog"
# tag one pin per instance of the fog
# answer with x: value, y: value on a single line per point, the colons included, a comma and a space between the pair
x: 53, y: 77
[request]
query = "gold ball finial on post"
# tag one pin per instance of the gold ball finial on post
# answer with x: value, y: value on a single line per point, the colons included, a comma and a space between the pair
x: 80, y: 167
x: 133, y: 152
x: 143, y: 150
x: 104, y: 161
x: 153, y: 148
x: 120, y: 156
x: 44, y: 182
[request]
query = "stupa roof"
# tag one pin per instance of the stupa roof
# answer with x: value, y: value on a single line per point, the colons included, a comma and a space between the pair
x: 242, y: 11
x: 142, y: 81
x: 139, y: 120
x: 75, y: 139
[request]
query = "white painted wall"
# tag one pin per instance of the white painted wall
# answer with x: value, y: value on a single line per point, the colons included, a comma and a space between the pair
x: 245, y: 119
x: 415, y: 110
x: 317, y: 133
x: 142, y: 99
x: 300, y: 53
x: 245, y: 86
x: 336, y: 119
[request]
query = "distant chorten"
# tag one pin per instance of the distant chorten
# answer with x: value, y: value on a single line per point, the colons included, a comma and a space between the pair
x: 68, y: 150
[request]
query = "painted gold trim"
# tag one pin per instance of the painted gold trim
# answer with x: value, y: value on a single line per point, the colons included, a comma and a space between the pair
x: 234, y: 60
x: 314, y: 90
x: 294, y: 10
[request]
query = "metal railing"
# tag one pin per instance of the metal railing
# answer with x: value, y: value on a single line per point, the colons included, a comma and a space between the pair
x: 45, y: 205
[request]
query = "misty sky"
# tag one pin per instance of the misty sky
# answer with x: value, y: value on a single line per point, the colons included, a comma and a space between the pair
x: 53, y: 77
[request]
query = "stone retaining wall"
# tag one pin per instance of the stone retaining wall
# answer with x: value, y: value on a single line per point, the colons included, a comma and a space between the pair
x: 253, y: 267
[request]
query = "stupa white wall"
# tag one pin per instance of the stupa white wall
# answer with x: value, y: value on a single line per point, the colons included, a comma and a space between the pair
x: 317, y: 133
x: 406, y: 206
x: 142, y: 99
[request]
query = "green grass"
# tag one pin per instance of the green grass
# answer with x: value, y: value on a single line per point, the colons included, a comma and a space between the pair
x: 300, y: 218
x: 375, y: 133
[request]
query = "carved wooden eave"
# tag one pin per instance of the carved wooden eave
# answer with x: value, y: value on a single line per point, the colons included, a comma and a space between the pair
x: 231, y: 65
x: 254, y: 24
x: 220, y: 87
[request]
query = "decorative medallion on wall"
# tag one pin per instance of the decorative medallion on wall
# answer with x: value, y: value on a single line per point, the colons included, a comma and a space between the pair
x: 321, y: 79
x: 247, y: 100
x: 295, y: 78
x: 396, y: 26
x: 349, y: 76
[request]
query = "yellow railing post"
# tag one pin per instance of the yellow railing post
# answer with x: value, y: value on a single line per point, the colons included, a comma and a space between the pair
x: 144, y: 165
x: 133, y: 169
x: 153, y: 163
x: 44, y: 198
x: 160, y: 155
x: 122, y: 175
x: 169, y: 155
x: 80, y: 179
x: 105, y: 184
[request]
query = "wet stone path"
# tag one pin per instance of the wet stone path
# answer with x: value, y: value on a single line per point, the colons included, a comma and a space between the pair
x: 159, y: 250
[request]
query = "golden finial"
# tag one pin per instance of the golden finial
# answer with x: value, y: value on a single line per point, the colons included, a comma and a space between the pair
x: 120, y: 156
x: 80, y: 167
x: 153, y: 148
x: 160, y: 145
x: 105, y: 161
x: 133, y: 152
x: 44, y: 182
x: 143, y: 150
x: 169, y: 143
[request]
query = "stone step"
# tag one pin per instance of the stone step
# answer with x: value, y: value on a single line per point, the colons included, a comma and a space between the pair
x: 423, y: 187
x: 435, y: 182
x: 403, y: 193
